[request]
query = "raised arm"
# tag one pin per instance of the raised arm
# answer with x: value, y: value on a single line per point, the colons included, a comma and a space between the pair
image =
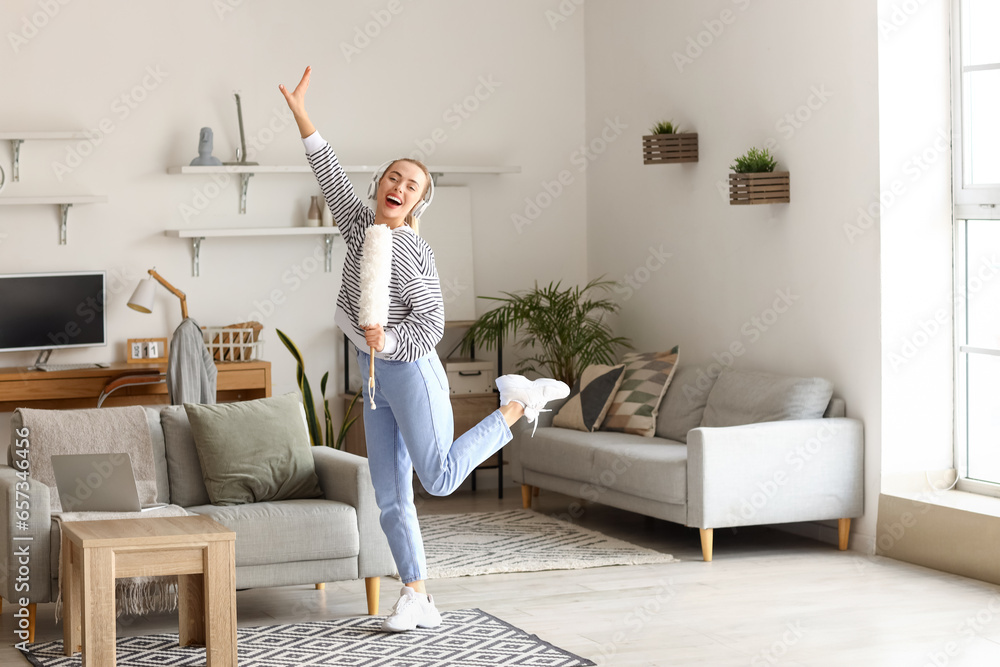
x: 348, y: 210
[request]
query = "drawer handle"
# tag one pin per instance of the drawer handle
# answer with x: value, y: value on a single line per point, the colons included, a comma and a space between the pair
x: 469, y: 373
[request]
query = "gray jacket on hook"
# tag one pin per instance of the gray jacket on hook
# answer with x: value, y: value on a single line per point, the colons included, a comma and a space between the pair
x: 191, y: 372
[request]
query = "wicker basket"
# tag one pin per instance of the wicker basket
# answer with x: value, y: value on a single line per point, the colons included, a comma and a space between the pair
x: 234, y: 342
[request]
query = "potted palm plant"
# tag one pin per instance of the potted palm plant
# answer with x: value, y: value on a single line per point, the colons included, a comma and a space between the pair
x: 666, y: 144
x: 565, y: 328
x: 754, y: 180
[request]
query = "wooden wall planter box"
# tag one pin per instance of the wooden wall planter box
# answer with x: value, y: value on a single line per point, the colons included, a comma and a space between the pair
x: 670, y: 148
x: 763, y: 188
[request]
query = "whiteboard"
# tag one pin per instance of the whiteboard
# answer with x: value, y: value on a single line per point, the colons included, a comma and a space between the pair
x: 447, y: 227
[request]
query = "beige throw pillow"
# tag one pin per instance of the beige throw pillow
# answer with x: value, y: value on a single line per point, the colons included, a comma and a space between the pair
x: 635, y: 406
x: 590, y: 399
x: 253, y: 451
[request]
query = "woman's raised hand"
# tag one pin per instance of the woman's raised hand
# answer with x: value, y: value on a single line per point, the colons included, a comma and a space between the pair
x: 297, y: 103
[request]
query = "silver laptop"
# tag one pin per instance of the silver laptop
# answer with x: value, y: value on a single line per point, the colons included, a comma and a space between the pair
x: 97, y: 483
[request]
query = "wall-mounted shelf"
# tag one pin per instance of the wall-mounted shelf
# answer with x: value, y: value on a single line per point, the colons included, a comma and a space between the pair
x: 18, y: 138
x: 199, y: 235
x: 62, y: 201
x: 247, y: 171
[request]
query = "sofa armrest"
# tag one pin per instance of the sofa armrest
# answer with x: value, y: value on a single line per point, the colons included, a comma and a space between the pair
x: 775, y: 472
x: 345, y: 478
x: 31, y: 553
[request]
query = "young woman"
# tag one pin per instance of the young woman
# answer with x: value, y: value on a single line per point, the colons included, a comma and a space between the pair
x: 412, y: 425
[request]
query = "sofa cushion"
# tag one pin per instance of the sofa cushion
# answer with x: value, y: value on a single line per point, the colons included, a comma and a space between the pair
x: 254, y: 451
x: 637, y: 402
x: 684, y: 403
x: 651, y: 468
x: 744, y: 397
x: 289, y: 530
x: 590, y: 399
x: 159, y: 455
x: 187, y: 485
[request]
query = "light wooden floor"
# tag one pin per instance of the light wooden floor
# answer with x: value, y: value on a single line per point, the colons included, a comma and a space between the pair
x: 768, y: 598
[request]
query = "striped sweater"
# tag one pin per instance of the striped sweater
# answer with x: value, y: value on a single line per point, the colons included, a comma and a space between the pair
x: 416, y: 309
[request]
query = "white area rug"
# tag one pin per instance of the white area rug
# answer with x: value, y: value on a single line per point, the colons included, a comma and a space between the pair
x: 460, y: 545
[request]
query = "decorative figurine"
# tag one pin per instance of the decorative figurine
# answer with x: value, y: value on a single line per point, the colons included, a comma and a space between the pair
x: 205, y: 158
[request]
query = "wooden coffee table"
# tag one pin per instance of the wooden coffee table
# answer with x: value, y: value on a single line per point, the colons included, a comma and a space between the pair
x: 198, y: 550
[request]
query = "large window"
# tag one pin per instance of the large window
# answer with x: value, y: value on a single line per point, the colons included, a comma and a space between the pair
x: 976, y: 99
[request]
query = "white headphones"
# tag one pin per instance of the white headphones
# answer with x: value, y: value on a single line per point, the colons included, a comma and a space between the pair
x: 3, y: 179
x: 419, y: 209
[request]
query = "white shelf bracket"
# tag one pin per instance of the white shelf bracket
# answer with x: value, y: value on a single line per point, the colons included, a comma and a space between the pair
x: 244, y: 184
x: 15, y: 147
x: 328, y: 240
x: 434, y: 177
x: 63, y: 222
x: 196, y: 247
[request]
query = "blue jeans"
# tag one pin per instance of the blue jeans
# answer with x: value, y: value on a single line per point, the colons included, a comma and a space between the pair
x: 412, y: 428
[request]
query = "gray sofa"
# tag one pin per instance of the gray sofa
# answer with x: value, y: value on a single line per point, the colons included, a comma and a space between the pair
x: 290, y: 542
x: 760, y: 464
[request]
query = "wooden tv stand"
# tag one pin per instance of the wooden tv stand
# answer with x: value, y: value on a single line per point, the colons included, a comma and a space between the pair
x: 24, y: 388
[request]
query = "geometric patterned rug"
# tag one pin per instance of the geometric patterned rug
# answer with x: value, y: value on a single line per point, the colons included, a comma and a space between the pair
x: 458, y: 545
x: 466, y: 638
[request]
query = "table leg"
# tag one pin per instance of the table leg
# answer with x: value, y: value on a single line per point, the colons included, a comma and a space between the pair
x: 70, y: 585
x: 98, y: 601
x: 191, y: 609
x: 220, y: 604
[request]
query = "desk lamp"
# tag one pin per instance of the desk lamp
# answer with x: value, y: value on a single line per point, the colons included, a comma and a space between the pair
x: 145, y: 293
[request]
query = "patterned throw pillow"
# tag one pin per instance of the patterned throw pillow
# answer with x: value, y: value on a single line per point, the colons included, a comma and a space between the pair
x: 590, y: 399
x: 634, y: 407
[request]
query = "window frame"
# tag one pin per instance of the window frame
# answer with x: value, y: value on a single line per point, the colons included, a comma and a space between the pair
x: 969, y: 203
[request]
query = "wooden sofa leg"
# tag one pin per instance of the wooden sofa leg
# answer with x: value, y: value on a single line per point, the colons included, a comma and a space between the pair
x: 526, y: 496
x: 371, y: 592
x: 31, y: 622
x: 321, y: 587
x: 706, y: 544
x: 843, y: 532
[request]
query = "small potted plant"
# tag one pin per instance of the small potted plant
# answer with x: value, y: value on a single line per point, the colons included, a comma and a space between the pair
x: 667, y: 144
x: 754, y: 180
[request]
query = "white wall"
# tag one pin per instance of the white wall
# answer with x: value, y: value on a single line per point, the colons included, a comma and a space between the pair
x: 916, y: 228
x: 393, y: 95
x: 757, y: 64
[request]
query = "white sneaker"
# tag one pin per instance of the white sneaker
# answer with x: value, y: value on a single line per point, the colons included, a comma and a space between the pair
x: 532, y: 394
x: 412, y: 610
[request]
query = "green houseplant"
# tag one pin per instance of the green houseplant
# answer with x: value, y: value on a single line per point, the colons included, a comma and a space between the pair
x: 754, y: 181
x: 565, y: 327
x: 316, y: 433
x: 666, y: 144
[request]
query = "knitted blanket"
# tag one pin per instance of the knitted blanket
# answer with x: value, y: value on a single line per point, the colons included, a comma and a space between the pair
x: 102, y: 431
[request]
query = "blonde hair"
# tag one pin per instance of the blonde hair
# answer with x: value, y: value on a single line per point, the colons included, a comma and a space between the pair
x: 411, y: 222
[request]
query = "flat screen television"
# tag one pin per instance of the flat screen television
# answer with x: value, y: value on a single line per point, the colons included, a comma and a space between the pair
x: 46, y: 311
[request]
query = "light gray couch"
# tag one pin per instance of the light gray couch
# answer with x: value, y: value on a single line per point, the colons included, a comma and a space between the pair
x: 290, y: 542
x: 780, y: 469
